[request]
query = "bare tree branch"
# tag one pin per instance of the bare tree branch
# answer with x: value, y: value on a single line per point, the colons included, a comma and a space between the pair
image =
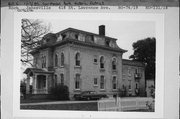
x: 32, y: 32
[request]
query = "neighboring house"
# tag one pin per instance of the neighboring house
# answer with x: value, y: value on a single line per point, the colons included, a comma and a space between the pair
x: 133, y: 77
x: 83, y: 61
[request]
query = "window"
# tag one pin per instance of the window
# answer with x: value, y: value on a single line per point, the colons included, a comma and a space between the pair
x: 62, y: 59
x: 56, y: 60
x: 136, y: 85
x: 95, y: 59
x: 63, y: 36
x: 95, y: 82
x: 76, y: 36
x: 102, y: 82
x: 62, y: 79
x: 35, y: 61
x: 129, y: 84
x: 77, y: 59
x: 114, y: 64
x: 55, y: 80
x: 114, y: 82
x: 107, y: 42
x: 43, y: 61
x: 102, y: 62
x: 44, y: 83
x: 77, y: 81
x: 136, y: 71
x: 129, y: 71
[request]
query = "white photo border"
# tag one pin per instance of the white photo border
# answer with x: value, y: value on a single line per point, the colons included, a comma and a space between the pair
x: 159, y: 93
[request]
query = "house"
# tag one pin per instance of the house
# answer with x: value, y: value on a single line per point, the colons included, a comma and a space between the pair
x: 83, y: 61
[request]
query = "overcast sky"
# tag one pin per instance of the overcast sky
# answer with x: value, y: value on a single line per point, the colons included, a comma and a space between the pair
x: 126, y: 32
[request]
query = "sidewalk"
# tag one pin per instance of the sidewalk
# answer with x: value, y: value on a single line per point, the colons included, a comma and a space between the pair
x: 58, y: 102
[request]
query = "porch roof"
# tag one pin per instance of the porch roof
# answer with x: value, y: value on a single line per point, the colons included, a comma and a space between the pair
x: 37, y: 70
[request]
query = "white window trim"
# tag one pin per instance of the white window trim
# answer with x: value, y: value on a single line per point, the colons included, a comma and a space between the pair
x: 55, y: 60
x: 61, y: 59
x: 100, y: 61
x: 115, y: 63
x: 97, y: 81
x: 75, y: 59
x: 116, y: 82
x: 129, y: 72
x: 77, y: 89
x: 104, y: 83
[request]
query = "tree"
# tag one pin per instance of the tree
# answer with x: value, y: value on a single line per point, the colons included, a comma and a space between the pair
x: 144, y: 51
x: 32, y: 32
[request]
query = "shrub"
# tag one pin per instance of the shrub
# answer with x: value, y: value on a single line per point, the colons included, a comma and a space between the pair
x: 121, y: 92
x: 60, y: 92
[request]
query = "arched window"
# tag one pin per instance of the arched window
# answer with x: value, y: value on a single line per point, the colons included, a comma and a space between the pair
x: 62, y: 59
x: 114, y: 62
x: 77, y: 59
x: 43, y: 61
x: 62, y: 79
x: 114, y: 82
x: 77, y: 81
x: 101, y: 62
x: 56, y: 60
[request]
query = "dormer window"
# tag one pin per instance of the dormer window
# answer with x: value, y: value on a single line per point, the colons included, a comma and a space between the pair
x: 63, y: 36
x: 76, y: 36
x: 59, y: 37
x: 107, y: 42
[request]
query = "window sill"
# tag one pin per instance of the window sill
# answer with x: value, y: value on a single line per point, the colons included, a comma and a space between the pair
x: 114, y: 90
x: 102, y: 69
x: 114, y: 70
x: 95, y: 85
x: 77, y: 90
x: 61, y: 66
x: 102, y: 90
x: 77, y: 66
x: 95, y: 63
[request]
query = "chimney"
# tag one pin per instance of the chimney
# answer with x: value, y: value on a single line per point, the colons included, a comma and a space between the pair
x: 102, y: 30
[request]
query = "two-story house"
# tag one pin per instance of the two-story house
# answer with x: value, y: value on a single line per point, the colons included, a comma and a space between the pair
x: 83, y: 61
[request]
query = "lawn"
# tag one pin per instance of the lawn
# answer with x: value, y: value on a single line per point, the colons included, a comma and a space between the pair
x: 91, y: 106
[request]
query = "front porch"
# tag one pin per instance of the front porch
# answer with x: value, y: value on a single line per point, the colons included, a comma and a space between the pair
x: 41, y: 81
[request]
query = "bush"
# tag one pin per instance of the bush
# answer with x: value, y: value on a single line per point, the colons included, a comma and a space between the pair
x: 60, y: 92
x: 121, y: 92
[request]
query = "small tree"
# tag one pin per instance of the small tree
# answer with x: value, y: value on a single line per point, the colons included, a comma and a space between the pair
x: 60, y: 92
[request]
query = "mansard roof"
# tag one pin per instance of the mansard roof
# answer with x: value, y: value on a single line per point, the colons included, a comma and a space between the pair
x: 132, y: 63
x: 86, y: 32
x: 55, y: 43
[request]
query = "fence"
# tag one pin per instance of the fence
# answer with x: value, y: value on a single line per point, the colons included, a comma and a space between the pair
x: 125, y: 104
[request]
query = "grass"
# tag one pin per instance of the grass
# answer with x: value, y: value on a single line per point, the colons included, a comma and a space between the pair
x: 92, y: 106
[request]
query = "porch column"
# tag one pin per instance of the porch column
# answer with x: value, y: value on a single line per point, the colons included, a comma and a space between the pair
x: 35, y: 84
x: 27, y: 84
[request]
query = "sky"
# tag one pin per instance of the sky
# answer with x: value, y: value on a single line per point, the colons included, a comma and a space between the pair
x: 126, y: 32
